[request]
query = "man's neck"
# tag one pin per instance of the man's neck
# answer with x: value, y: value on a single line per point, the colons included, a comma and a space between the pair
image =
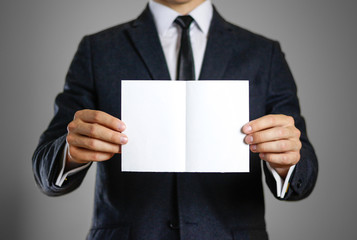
x: 181, y: 6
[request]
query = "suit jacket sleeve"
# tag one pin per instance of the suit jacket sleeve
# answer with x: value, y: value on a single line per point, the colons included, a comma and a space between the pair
x: 282, y: 99
x: 78, y: 94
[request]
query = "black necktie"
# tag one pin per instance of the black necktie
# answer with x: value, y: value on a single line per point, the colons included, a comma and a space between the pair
x: 185, y: 63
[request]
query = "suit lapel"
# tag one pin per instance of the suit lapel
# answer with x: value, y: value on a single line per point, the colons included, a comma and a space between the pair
x: 218, y: 50
x: 145, y: 39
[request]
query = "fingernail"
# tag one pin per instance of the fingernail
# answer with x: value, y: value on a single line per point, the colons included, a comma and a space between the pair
x: 122, y: 127
x: 262, y: 155
x: 123, y: 140
x: 253, y: 147
x: 249, y: 139
x: 247, y: 128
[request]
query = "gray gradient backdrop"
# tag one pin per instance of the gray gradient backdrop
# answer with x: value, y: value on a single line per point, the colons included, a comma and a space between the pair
x: 39, y: 37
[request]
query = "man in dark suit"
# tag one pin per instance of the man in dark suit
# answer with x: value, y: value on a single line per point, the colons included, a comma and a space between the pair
x: 87, y: 128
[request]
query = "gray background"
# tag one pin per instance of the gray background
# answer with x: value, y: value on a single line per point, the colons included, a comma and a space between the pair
x: 38, y: 40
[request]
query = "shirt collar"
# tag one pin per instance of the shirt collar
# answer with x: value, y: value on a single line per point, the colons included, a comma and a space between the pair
x: 165, y: 16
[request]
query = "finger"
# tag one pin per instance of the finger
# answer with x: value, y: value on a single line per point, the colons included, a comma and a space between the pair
x: 266, y: 122
x: 271, y: 134
x: 97, y: 131
x: 92, y: 144
x: 281, y: 160
x: 102, y: 118
x: 280, y: 146
x: 82, y: 155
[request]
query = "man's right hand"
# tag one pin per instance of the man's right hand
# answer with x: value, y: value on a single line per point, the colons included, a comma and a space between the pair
x: 93, y: 136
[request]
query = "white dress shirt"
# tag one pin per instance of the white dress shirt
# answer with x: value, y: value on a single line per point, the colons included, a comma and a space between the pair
x: 170, y: 35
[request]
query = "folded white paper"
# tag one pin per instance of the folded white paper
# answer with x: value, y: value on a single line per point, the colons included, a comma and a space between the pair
x: 185, y: 126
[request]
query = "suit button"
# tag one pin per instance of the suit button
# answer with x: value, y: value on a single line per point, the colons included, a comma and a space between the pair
x: 174, y: 226
x: 299, y: 183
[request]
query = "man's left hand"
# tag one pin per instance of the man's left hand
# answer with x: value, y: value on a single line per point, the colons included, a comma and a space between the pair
x: 276, y: 139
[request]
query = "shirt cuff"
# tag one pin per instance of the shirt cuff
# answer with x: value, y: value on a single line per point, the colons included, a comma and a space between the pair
x: 282, y: 186
x: 62, y: 176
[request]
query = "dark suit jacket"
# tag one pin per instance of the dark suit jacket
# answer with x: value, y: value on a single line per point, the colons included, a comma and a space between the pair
x: 166, y: 205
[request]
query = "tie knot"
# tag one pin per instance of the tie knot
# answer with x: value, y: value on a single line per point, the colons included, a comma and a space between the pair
x: 184, y: 21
